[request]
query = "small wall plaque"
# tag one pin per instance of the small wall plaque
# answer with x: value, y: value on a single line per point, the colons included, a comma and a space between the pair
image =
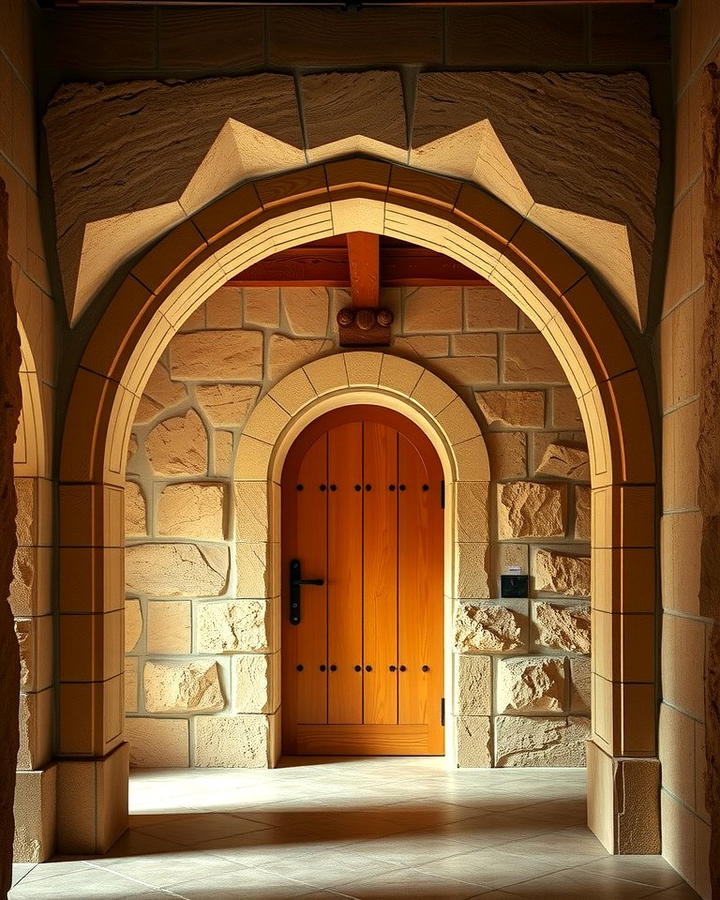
x: 515, y: 586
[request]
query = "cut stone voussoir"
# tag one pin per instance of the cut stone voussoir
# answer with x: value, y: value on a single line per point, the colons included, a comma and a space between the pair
x: 562, y: 574
x: 484, y: 629
x: 564, y: 627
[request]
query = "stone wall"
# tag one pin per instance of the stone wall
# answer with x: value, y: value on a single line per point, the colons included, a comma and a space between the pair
x: 202, y: 664
x: 688, y: 368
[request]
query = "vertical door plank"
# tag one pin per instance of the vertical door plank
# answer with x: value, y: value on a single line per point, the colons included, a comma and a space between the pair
x: 345, y: 588
x: 420, y: 560
x: 380, y: 610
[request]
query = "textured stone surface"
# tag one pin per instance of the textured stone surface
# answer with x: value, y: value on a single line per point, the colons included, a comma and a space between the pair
x: 262, y: 306
x: 194, y: 509
x: 178, y: 446
x: 565, y: 461
x: 130, y: 685
x: 474, y: 742
x: 488, y: 309
x: 530, y: 509
x: 251, y: 675
x: 306, y: 310
x: 177, y: 570
x: 24, y: 634
x: 564, y: 627
x: 160, y: 393
x: 158, y: 743
x: 583, y: 498
x: 529, y: 358
x: 540, y: 740
x: 508, y: 454
x: 471, y: 511
x: 239, y: 625
x: 169, y: 626
x: 227, y: 404
x: 223, y: 453
x: 231, y: 741
x: 287, y: 354
x: 182, y: 687
x: 565, y: 410
x: 562, y: 573
x: 252, y: 510
x: 531, y: 684
x: 22, y: 586
x: 133, y: 623
x: 580, y: 684
x: 253, y: 562
x: 217, y: 355
x: 429, y: 309
x: 513, y: 409
x: 486, y: 628
x: 25, y: 518
x: 474, y: 685
x: 135, y: 511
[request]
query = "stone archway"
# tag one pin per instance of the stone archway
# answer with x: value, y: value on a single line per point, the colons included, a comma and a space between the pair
x: 556, y: 293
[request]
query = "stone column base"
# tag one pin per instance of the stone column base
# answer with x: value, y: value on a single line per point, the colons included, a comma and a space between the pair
x: 35, y: 800
x: 92, y: 802
x: 624, y: 801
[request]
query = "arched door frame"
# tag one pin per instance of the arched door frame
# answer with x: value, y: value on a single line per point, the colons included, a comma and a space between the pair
x: 260, y: 218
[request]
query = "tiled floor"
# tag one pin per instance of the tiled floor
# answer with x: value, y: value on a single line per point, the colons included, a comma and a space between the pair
x: 366, y: 829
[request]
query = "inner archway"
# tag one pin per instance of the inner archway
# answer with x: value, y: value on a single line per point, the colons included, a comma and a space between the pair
x: 551, y: 288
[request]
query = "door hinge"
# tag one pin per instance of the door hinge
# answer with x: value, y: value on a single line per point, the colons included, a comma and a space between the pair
x: 442, y: 710
x: 442, y: 494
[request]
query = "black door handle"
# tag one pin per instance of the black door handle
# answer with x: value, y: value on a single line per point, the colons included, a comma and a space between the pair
x: 296, y: 581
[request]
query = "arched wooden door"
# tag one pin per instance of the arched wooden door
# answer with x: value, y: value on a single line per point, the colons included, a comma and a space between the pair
x: 362, y: 652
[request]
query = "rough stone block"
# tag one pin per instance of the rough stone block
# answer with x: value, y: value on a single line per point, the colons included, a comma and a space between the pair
x: 530, y: 509
x: 512, y: 409
x: 513, y: 558
x: 531, y: 684
x: 565, y: 409
x: 580, y: 685
x: 177, y: 570
x: 133, y: 623
x: 562, y: 573
x: 252, y: 510
x: 169, y: 628
x: 306, y: 310
x: 130, y: 684
x: 217, y: 355
x: 26, y: 515
x: 135, y: 510
x: 471, y: 575
x: 471, y: 511
x: 23, y: 586
x: 234, y: 626
x: 227, y: 404
x: 474, y: 685
x: 466, y: 371
x: 429, y: 309
x: 287, y: 354
x: 178, y: 446
x: 35, y: 804
x: 223, y: 453
x: 160, y: 393
x: 182, y: 687
x: 423, y: 346
x: 563, y: 460
x: 488, y: 309
x: 583, y: 511
x: 529, y: 358
x: 224, y: 308
x: 540, y: 741
x: 158, y: 743
x: 194, y: 510
x: 474, y: 742
x: 254, y: 569
x: 261, y: 306
x: 564, y: 627
x: 254, y: 682
x: 507, y: 451
x: 231, y: 741
x: 489, y: 628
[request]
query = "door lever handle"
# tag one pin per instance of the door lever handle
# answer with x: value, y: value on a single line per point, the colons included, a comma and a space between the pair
x: 296, y: 581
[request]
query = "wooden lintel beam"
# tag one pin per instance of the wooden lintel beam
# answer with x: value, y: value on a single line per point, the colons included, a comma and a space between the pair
x: 364, y: 266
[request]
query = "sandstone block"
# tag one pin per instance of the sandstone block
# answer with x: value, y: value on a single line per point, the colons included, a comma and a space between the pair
x: 580, y: 684
x: 540, y: 741
x: 261, y: 306
x: 227, y: 404
x: 565, y: 410
x: 530, y: 509
x: 562, y: 574
x: 131, y: 451
x: 287, y: 354
x: 182, y: 687
x: 24, y: 635
x: 583, y: 512
x: 425, y: 346
x: 474, y: 344
x: 474, y: 685
x: 252, y: 510
x: 563, y: 460
x: 531, y: 684
x: 529, y: 358
x: 169, y: 628
x: 254, y: 569
x: 133, y: 623
x: 512, y: 409
x: 564, y: 627
x: 428, y: 309
x: 294, y: 391
x: 177, y: 570
x: 490, y: 628
x: 471, y: 511
x: 306, y: 310
x: 224, y: 309
x: 231, y: 741
x: 513, y: 557
x: 223, y: 442
x: 135, y: 511
x: 217, y: 355
x: 160, y: 393
x: 23, y: 586
x: 194, y: 510
x: 488, y: 309
x: 234, y: 626
x: 26, y: 516
x: 255, y: 682
x: 471, y: 574
x: 466, y: 371
x: 178, y: 446
x: 131, y: 685
x: 158, y: 743
x: 508, y: 454
x: 474, y: 742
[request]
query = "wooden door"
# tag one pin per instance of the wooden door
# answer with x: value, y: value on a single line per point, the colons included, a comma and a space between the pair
x: 362, y: 652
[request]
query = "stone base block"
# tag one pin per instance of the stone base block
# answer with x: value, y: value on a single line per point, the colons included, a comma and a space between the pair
x: 624, y: 802
x: 35, y: 799
x: 92, y: 802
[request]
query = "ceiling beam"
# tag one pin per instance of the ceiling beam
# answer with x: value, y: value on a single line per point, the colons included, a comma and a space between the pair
x: 364, y: 265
